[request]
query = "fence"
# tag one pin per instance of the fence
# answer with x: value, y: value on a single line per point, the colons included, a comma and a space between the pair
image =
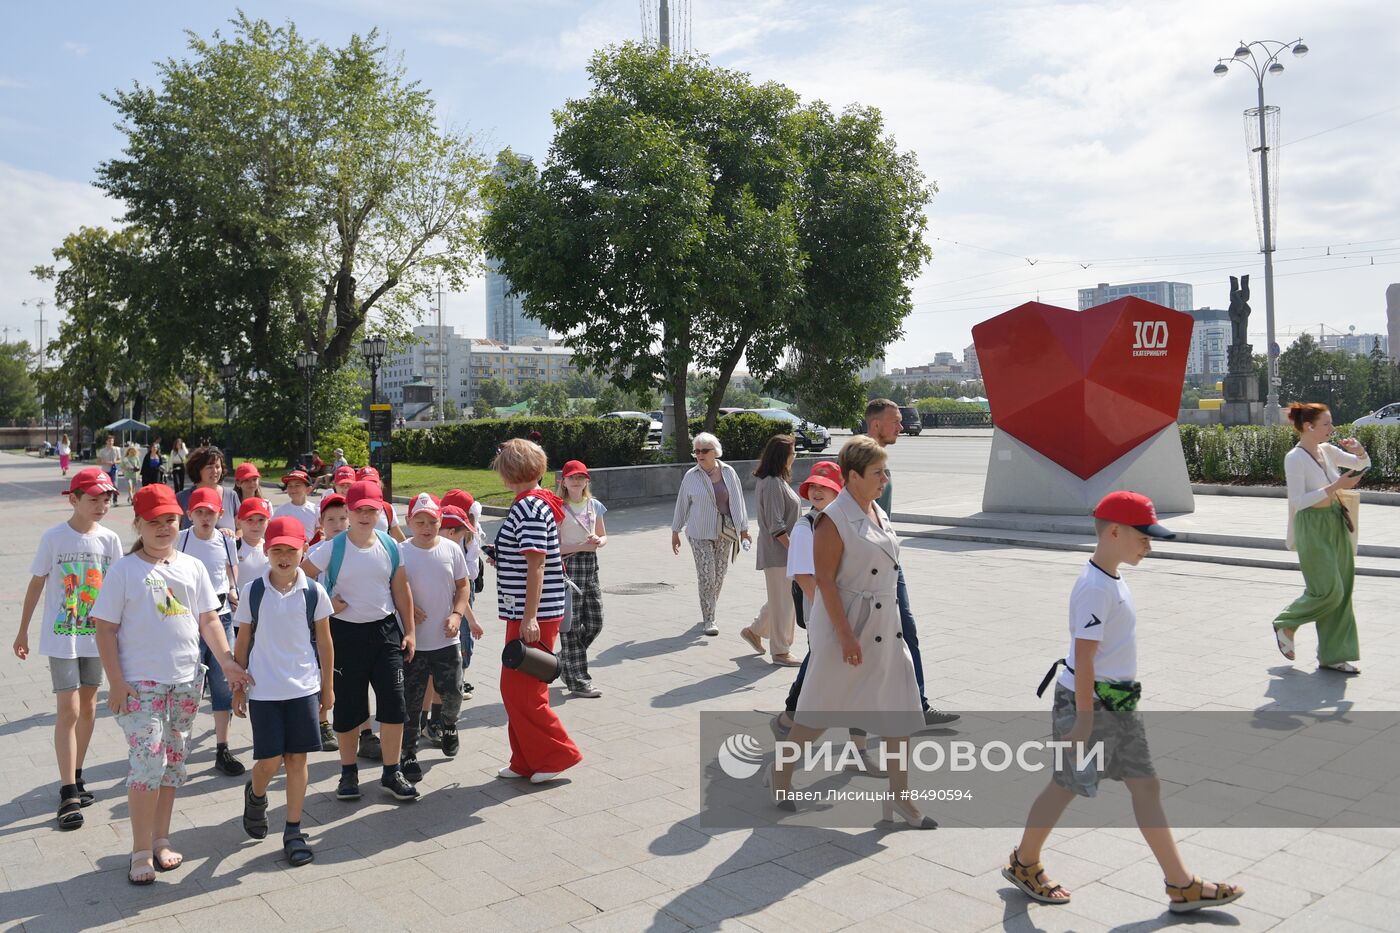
x: 957, y: 419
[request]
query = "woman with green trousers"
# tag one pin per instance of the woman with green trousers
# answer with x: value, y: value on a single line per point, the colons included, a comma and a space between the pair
x: 1319, y: 529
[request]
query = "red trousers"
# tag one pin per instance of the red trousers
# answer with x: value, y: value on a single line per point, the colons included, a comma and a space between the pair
x: 538, y: 742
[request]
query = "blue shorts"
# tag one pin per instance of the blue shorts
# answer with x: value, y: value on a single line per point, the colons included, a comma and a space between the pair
x: 285, y: 727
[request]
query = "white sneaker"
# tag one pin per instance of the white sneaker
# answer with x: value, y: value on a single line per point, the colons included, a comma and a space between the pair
x: 711, y: 630
x: 508, y: 774
x: 542, y: 777
x: 589, y: 692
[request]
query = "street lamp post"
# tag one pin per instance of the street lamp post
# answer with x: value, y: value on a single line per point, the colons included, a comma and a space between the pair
x: 306, y: 365
x: 380, y: 421
x: 373, y: 349
x: 1261, y: 58
x: 1330, y: 380
x: 228, y: 372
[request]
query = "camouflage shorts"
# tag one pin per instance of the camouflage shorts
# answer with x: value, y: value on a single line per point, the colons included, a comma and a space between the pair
x: 1124, y: 738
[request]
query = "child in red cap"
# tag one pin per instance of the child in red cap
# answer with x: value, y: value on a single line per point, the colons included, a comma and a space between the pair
x: 460, y: 525
x: 581, y: 535
x: 247, y: 481
x: 74, y: 555
x: 155, y: 606
x: 253, y: 515
x: 298, y: 488
x: 1096, y: 702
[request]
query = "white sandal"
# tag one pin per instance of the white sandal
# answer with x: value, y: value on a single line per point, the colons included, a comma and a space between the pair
x: 1285, y: 644
x: 1343, y: 667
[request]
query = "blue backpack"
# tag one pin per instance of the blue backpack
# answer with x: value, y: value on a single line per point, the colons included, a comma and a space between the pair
x: 255, y: 594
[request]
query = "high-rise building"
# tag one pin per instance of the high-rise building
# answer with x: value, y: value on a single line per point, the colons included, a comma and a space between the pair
x: 506, y: 320
x: 1355, y: 344
x: 974, y: 368
x: 1175, y: 295
x: 1208, y: 359
x: 872, y: 370
x: 944, y: 358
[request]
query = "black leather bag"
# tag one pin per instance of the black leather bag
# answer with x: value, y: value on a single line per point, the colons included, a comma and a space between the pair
x: 527, y: 659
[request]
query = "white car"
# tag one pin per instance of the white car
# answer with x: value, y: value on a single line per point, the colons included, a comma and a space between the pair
x: 654, y: 426
x: 808, y: 436
x: 1389, y: 414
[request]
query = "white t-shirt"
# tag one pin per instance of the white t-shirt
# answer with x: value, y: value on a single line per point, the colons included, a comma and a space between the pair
x: 108, y: 456
x: 363, y: 579
x: 74, y: 564
x: 432, y: 578
x: 579, y: 521
x: 382, y: 522
x: 801, y: 553
x: 157, y: 607
x: 62, y: 449
x: 1101, y: 609
x: 306, y: 513
x: 217, y: 554
x: 252, y: 561
x: 283, y: 661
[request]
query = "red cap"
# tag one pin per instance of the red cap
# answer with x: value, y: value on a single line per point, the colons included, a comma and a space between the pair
x: 334, y: 498
x: 285, y: 530
x: 455, y: 517
x: 155, y: 500
x: 206, y: 497
x: 368, y: 472
x: 91, y: 482
x: 826, y: 473
x: 425, y: 502
x: 254, y: 506
x: 246, y: 470
x: 345, y: 474
x: 296, y: 476
x: 574, y: 468
x: 1134, y: 509
x: 459, y: 498
x: 364, y: 493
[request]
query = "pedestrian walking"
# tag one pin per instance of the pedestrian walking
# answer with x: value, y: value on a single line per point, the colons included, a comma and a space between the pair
x: 205, y: 466
x: 108, y: 458
x: 65, y: 452
x: 152, y: 466
x: 582, y: 535
x: 778, y: 512
x: 178, y: 454
x: 710, y: 509
x: 388, y: 520
x: 155, y: 606
x: 530, y: 601
x: 1319, y: 529
x: 247, y: 481
x: 131, y: 470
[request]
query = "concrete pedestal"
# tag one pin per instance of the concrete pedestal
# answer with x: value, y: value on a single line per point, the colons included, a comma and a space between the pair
x: 1021, y: 480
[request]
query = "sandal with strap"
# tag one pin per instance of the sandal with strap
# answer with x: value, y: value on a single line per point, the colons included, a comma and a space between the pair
x: 1032, y: 881
x: 1193, y: 895
x: 70, y: 813
x: 254, y: 813
x: 173, y: 859
x: 141, y: 875
x: 297, y: 851
x: 1342, y: 667
x: 1285, y: 643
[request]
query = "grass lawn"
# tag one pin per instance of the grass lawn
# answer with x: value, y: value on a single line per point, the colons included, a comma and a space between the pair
x: 412, y: 478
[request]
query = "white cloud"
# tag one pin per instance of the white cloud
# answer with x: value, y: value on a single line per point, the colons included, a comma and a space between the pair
x: 8, y: 83
x: 78, y: 49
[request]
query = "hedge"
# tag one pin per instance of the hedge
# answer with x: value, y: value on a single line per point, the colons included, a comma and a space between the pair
x: 743, y: 435
x: 1250, y: 454
x: 598, y: 442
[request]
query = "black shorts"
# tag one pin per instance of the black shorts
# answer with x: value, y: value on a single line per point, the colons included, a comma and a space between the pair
x: 367, y: 655
x: 285, y: 727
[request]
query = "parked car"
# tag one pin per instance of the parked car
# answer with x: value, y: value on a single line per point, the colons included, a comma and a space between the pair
x: 809, y: 436
x: 913, y: 424
x: 1389, y: 414
x: 654, y: 425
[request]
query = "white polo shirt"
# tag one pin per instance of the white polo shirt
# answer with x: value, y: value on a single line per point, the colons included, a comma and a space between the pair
x: 283, y: 660
x: 1101, y: 609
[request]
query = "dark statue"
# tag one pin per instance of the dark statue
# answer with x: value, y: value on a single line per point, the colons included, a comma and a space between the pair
x: 1241, y: 354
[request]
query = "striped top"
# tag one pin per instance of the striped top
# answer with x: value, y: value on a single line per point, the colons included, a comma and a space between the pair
x: 529, y: 526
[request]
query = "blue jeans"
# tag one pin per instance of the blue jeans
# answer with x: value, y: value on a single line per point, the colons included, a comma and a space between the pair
x: 911, y: 634
x: 464, y: 635
x: 220, y: 694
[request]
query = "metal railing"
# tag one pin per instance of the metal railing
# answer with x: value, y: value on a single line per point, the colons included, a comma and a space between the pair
x: 957, y: 419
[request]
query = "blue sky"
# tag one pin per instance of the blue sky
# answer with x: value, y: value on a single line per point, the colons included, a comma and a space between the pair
x: 1072, y: 134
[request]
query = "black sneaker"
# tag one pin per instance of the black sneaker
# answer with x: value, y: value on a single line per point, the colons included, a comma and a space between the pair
x: 369, y: 746
x: 328, y: 739
x: 467, y: 690
x: 348, y: 788
x: 433, y: 733
x: 450, y: 742
x: 936, y: 717
x: 411, y: 768
x: 396, y: 786
x: 225, y: 763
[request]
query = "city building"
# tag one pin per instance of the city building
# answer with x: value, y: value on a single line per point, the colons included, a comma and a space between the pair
x: 1176, y: 295
x: 872, y: 370
x: 944, y: 358
x: 931, y: 372
x: 506, y: 320
x: 1208, y: 359
x: 1355, y: 344
x: 974, y: 368
x: 466, y: 362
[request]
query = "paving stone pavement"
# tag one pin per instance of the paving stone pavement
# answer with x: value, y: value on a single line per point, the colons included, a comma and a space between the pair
x: 617, y: 846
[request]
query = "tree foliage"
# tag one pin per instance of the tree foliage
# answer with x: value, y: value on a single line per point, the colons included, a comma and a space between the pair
x: 18, y: 395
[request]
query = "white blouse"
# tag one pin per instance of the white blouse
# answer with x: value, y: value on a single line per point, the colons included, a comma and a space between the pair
x: 1308, y: 480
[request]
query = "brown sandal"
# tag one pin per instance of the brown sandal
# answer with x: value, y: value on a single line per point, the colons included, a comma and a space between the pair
x: 1032, y: 881
x: 1193, y: 895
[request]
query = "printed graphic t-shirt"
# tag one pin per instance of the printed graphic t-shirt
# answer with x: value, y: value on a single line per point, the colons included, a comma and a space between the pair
x: 75, y: 565
x: 157, y: 607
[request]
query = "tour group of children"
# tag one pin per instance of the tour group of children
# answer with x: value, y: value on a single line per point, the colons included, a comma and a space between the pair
x: 258, y: 608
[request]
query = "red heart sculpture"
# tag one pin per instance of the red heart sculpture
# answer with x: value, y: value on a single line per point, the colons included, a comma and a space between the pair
x: 1084, y: 387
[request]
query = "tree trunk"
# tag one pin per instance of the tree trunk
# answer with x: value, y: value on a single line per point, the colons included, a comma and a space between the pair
x: 726, y: 373
x: 681, y: 429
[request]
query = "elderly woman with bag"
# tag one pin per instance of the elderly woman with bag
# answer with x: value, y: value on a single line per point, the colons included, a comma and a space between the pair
x: 778, y: 511
x: 710, y: 508
x: 1319, y: 529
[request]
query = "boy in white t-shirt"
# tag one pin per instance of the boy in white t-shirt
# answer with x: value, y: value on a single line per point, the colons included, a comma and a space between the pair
x: 72, y: 559
x: 298, y: 488
x: 1096, y: 703
x: 466, y: 532
x: 253, y: 516
x: 363, y: 573
x: 284, y: 642
x: 219, y: 555
x: 437, y: 577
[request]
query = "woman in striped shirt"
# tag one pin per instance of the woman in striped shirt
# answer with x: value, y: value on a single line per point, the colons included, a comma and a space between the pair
x: 530, y: 597
x: 710, y: 507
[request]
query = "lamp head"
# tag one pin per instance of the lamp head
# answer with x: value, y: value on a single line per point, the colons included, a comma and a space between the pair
x: 1276, y: 68
x: 1222, y: 69
x: 1300, y: 49
x: 1242, y: 52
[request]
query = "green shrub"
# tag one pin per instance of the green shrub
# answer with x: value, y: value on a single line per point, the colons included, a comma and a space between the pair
x: 351, y: 436
x: 598, y: 442
x: 1252, y: 454
x: 926, y: 406
x: 742, y: 434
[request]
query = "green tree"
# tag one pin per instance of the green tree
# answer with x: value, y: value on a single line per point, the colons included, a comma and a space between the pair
x: 18, y: 395
x: 673, y: 224
x: 583, y: 384
x: 495, y: 393
x: 450, y: 411
x: 528, y: 390
x: 551, y: 401
x: 1382, y: 377
x: 608, y: 399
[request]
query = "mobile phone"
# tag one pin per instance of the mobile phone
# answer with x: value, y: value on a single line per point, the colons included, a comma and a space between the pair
x: 489, y: 550
x: 1355, y: 472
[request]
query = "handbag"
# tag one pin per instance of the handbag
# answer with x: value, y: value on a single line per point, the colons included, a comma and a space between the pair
x: 728, y: 533
x: 1350, y: 501
x: 527, y: 659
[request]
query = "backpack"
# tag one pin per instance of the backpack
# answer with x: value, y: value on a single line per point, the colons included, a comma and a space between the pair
x: 338, y: 557
x: 255, y: 594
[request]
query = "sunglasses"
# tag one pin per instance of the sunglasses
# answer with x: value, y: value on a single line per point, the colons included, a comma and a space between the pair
x: 704, y: 450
